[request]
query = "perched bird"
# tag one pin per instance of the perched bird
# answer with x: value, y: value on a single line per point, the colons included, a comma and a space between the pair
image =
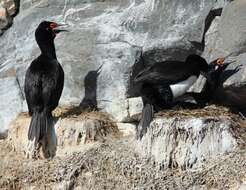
x: 43, y: 83
x: 211, y: 85
x: 214, y: 92
x: 163, y: 82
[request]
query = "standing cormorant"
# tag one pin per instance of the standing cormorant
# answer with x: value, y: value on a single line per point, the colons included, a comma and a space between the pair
x: 44, y: 82
x: 163, y: 82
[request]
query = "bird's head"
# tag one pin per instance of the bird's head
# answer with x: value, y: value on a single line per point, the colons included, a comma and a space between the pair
x: 216, y: 64
x: 202, y: 64
x: 215, y: 69
x: 46, y: 31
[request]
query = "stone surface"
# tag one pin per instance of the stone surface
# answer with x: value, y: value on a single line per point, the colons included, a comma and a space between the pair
x: 232, y: 28
x: 106, y: 35
x: 226, y: 37
x: 135, y: 106
x: 186, y: 142
x: 235, y: 73
x: 11, y: 101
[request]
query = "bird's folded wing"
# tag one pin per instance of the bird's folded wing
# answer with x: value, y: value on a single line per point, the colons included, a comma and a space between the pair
x: 165, y: 73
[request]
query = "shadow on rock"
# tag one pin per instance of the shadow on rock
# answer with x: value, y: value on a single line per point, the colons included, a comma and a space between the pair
x: 228, y: 73
x: 89, y: 101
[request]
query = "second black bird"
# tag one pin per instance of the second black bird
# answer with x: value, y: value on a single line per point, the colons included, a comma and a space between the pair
x: 163, y: 82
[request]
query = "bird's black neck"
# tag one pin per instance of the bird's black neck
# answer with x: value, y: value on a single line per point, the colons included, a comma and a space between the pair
x: 48, y: 49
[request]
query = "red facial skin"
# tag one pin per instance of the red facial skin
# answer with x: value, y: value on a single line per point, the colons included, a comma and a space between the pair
x: 53, y: 25
x: 220, y: 61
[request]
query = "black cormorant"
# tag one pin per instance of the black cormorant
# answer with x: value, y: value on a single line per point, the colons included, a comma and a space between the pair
x: 163, y: 82
x: 44, y: 82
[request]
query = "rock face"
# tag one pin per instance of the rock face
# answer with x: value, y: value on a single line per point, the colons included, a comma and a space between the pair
x: 186, y: 142
x: 231, y: 30
x: 11, y: 101
x: 104, y: 42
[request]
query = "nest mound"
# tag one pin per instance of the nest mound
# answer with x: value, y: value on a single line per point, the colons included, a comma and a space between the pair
x: 115, y: 165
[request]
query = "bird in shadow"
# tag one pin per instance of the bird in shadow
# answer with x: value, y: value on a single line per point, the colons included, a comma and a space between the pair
x: 89, y: 102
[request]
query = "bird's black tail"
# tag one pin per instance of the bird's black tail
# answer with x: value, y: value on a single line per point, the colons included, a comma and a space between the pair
x: 147, y: 116
x: 39, y: 125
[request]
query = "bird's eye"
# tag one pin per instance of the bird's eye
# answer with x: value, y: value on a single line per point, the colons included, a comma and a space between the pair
x: 53, y: 25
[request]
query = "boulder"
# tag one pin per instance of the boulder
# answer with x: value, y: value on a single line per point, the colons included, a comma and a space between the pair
x: 11, y: 102
x: 232, y: 29
x: 226, y: 37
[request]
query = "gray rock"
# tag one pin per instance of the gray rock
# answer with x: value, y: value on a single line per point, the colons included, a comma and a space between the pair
x: 106, y: 36
x: 235, y: 73
x: 177, y: 29
x: 186, y: 142
x: 11, y: 102
x: 135, y: 106
x: 226, y: 37
x: 232, y: 28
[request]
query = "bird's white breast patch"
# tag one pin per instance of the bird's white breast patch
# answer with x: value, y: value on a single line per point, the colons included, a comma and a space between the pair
x: 180, y: 88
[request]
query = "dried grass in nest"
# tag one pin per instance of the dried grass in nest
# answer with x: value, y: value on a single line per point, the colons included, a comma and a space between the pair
x: 209, y: 111
x: 238, y: 123
x: 77, y: 112
x: 82, y: 114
